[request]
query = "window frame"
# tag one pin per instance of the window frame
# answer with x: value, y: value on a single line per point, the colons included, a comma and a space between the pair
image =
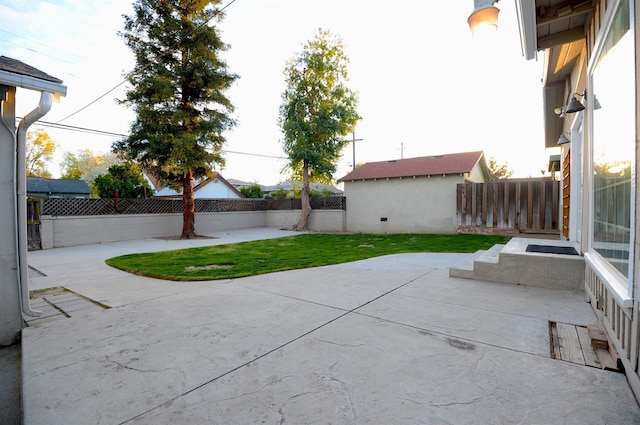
x: 621, y: 287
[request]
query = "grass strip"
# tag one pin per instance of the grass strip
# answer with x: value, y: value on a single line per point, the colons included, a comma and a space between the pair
x: 290, y: 253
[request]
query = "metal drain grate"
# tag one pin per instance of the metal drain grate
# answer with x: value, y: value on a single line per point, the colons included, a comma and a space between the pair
x: 59, y: 303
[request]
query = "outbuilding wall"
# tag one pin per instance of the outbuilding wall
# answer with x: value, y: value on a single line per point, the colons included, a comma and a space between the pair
x: 402, y: 205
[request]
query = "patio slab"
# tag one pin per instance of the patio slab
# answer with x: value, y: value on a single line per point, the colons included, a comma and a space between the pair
x: 390, y: 340
x: 360, y: 370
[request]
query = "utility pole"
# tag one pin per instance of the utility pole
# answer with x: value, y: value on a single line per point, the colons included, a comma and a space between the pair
x: 354, y: 147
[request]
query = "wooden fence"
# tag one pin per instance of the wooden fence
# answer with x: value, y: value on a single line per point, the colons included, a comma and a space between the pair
x: 509, y: 206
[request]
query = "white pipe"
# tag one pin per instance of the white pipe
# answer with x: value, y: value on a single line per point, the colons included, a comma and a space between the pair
x: 46, y: 100
x: 12, y: 132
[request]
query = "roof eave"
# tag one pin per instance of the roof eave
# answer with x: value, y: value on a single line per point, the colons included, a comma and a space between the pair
x: 31, y: 83
x: 526, y: 12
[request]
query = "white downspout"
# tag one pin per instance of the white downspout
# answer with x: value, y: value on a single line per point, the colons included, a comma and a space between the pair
x: 46, y: 100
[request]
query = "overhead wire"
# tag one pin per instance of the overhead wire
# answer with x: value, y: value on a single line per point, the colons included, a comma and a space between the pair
x: 58, y: 124
x: 131, y: 74
x: 67, y: 52
x: 113, y: 134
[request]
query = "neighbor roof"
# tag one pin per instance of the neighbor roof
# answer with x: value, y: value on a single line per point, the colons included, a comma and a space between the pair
x: 453, y: 163
x: 57, y: 186
x: 198, y: 184
x: 291, y: 185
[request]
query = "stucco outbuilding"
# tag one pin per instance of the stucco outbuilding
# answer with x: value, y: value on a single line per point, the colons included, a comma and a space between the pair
x: 413, y: 195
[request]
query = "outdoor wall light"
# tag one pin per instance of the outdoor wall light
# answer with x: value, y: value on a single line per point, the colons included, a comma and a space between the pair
x: 563, y: 139
x: 484, y: 16
x: 596, y: 103
x: 575, y: 105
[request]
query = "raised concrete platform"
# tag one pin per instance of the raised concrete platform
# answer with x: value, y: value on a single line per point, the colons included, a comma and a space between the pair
x: 511, y: 263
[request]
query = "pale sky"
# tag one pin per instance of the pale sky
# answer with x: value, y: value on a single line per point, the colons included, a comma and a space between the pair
x: 425, y: 85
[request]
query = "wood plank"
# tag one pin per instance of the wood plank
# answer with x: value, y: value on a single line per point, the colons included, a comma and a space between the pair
x: 598, y: 337
x: 589, y: 353
x: 606, y: 361
x: 570, y: 348
x: 555, y: 345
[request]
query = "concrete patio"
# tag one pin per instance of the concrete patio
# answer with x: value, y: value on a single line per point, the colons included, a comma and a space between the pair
x: 390, y: 340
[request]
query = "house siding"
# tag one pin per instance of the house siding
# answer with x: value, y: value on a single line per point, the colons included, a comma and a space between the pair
x: 477, y: 174
x: 617, y: 311
x: 216, y: 190
x: 410, y: 205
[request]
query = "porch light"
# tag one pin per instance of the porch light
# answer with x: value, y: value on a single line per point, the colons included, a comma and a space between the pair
x: 563, y: 139
x: 574, y: 104
x: 484, y: 16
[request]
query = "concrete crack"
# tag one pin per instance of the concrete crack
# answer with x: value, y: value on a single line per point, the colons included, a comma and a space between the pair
x: 338, y: 344
x: 124, y: 366
x: 457, y: 403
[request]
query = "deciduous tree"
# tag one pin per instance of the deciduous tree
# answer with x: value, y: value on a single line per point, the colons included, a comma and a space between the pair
x: 86, y: 165
x: 177, y: 93
x: 317, y: 111
x: 39, y: 151
x: 498, y: 171
x: 122, y: 181
x: 252, y: 191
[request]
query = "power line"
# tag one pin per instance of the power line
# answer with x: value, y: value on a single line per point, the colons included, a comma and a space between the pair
x: 255, y: 154
x: 112, y: 134
x: 76, y: 128
x: 131, y: 74
x: 40, y: 43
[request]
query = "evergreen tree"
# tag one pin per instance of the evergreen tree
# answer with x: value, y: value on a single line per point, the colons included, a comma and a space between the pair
x: 177, y: 92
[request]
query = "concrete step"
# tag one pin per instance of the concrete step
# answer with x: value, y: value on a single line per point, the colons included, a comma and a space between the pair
x: 466, y: 270
x: 492, y: 255
x: 512, y: 263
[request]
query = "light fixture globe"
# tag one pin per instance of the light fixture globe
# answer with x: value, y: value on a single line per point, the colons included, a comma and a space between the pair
x: 484, y: 16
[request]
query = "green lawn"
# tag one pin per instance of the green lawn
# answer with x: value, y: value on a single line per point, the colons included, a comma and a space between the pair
x: 289, y: 253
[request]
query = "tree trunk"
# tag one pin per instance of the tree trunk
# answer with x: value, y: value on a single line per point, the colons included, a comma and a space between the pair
x: 302, y: 225
x: 188, y: 208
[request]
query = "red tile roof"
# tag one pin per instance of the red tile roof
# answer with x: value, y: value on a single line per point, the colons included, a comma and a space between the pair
x: 453, y: 163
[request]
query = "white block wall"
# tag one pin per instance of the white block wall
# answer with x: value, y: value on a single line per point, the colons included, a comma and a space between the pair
x: 59, y: 232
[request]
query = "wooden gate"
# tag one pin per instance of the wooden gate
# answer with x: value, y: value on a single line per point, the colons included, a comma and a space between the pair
x: 509, y: 206
x: 33, y: 223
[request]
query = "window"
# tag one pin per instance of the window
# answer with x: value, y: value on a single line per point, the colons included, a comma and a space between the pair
x: 613, y: 138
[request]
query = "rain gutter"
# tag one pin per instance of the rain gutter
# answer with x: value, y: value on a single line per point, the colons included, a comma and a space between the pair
x: 46, y: 100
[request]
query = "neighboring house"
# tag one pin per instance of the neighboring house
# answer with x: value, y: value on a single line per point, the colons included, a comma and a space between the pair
x: 239, y: 184
x: 212, y: 188
x: 290, y: 187
x: 57, y: 188
x: 591, y: 104
x: 410, y: 195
